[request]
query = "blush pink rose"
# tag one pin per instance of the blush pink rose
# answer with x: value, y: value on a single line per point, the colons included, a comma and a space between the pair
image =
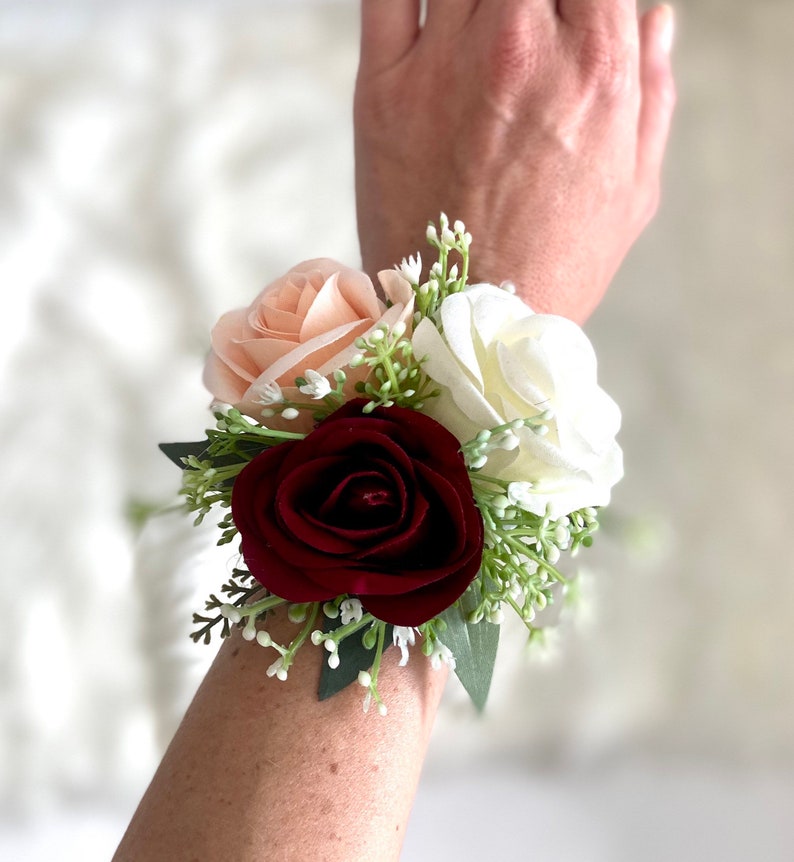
x: 308, y: 319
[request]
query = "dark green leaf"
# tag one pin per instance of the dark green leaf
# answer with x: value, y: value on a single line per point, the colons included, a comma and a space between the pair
x: 474, y: 646
x: 353, y: 657
x: 245, y: 450
x: 177, y: 451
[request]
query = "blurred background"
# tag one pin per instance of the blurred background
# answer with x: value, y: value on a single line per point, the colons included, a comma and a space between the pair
x: 158, y: 164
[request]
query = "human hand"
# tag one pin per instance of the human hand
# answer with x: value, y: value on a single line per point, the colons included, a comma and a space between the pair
x: 541, y: 124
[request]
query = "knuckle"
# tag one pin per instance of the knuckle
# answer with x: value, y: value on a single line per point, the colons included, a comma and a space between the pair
x: 513, y: 60
x: 604, y: 66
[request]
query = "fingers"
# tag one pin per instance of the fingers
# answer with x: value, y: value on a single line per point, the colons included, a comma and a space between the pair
x: 658, y: 91
x: 611, y: 16
x: 389, y: 29
x: 449, y: 16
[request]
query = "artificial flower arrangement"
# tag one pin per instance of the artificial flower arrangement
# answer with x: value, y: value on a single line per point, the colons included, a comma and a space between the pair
x: 397, y: 473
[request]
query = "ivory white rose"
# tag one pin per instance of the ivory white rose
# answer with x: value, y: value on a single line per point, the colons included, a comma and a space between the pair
x: 497, y: 361
x: 308, y: 320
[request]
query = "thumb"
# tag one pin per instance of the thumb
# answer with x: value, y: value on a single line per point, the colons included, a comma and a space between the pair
x: 658, y: 92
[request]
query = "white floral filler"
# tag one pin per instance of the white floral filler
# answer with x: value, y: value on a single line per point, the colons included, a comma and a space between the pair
x: 536, y: 448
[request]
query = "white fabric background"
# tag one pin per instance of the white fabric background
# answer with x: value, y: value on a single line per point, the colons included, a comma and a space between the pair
x: 158, y: 164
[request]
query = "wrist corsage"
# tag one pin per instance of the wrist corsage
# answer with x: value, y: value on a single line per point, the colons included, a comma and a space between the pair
x: 399, y: 472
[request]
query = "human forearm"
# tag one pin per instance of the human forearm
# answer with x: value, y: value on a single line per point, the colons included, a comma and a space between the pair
x: 260, y: 769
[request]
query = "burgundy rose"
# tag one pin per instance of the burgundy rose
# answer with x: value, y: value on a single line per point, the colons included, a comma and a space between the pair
x: 377, y: 506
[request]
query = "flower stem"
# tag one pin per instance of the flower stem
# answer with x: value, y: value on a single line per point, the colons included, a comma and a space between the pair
x: 298, y: 641
x: 342, y: 632
x: 266, y: 604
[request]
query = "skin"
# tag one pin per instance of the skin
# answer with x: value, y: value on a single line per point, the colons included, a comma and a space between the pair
x: 259, y: 769
x: 542, y: 125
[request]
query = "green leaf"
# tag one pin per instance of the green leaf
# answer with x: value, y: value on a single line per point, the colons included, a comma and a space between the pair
x: 245, y: 450
x: 176, y: 451
x: 353, y: 657
x: 474, y: 646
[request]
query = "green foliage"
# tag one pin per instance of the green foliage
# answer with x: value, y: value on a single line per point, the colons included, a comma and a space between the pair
x: 240, y: 589
x: 354, y: 656
x: 444, y: 277
x: 396, y: 374
x: 209, y: 467
x: 474, y: 646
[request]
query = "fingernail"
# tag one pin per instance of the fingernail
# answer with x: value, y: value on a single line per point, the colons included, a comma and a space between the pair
x: 667, y: 26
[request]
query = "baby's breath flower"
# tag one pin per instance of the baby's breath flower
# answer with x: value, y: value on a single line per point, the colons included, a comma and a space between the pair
x: 277, y: 669
x: 316, y: 385
x: 441, y: 655
x: 403, y: 637
x: 411, y: 268
x: 249, y: 632
x: 562, y: 536
x: 350, y: 611
x: 496, y: 616
x: 268, y: 393
x: 507, y: 441
x: 231, y: 613
x: 518, y: 493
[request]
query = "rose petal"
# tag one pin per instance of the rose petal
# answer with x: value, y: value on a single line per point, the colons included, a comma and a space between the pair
x: 492, y: 308
x: 311, y: 526
x: 396, y: 288
x: 456, y: 318
x: 376, y: 494
x: 431, y: 536
x: 402, y: 546
x: 266, y: 352
x: 315, y: 353
x: 329, y: 311
x: 251, y: 508
x: 286, y: 581
x: 424, y: 603
x: 222, y: 382
x: 464, y: 409
x: 226, y: 337
x: 524, y: 369
x: 308, y: 484
x: 359, y: 292
x: 334, y: 440
x: 279, y: 323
